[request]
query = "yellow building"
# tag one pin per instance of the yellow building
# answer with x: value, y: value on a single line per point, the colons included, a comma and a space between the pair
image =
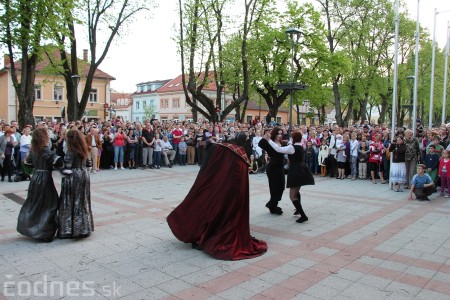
x: 50, y: 92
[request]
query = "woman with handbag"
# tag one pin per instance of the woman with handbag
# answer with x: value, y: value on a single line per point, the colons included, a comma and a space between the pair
x: 376, y: 149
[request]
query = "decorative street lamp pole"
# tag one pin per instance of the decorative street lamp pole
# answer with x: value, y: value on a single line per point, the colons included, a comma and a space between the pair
x: 294, y: 35
x: 444, y: 97
x: 411, y: 85
x: 75, y: 81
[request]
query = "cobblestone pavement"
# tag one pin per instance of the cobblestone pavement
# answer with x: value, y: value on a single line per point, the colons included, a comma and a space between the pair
x: 362, y: 241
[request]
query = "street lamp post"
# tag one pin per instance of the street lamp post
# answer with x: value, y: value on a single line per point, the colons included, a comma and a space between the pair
x: 75, y: 81
x: 411, y: 85
x: 444, y: 98
x: 433, y: 58
x: 416, y: 70
x: 294, y: 35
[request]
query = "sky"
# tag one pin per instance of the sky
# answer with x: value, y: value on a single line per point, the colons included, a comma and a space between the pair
x: 148, y: 51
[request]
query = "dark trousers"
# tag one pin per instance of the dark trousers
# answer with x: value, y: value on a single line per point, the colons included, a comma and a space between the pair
x: 276, y: 177
x: 7, y: 168
x: 332, y: 165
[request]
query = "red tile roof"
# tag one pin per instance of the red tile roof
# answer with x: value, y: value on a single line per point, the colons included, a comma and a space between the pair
x: 117, y: 96
x: 45, y: 62
x: 175, y: 85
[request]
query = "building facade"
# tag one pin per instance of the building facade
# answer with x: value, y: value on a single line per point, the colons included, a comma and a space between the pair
x: 50, y: 93
x: 144, y: 98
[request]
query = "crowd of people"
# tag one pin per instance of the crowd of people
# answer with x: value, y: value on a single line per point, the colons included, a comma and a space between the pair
x: 360, y: 151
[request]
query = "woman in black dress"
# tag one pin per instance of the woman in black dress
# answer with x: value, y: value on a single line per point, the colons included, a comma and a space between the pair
x: 38, y: 215
x: 275, y: 167
x: 298, y: 175
x: 75, y: 214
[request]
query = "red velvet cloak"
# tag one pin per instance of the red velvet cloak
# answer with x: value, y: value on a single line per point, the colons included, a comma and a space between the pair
x: 215, y: 213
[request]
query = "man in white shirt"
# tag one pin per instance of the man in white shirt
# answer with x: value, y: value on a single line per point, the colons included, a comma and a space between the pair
x: 167, y: 151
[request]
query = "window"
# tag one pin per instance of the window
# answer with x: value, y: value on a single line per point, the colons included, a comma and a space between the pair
x: 37, y: 92
x: 58, y: 92
x: 164, y: 103
x: 137, y: 104
x: 176, y: 103
x: 93, y: 96
x: 279, y: 120
x: 249, y: 119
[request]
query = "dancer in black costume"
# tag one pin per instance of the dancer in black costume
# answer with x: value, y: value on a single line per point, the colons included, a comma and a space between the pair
x: 75, y: 214
x: 275, y: 169
x: 38, y: 215
x: 298, y: 175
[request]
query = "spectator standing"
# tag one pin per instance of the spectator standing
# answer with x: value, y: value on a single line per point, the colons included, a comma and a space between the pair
x: 190, y: 142
x: 363, y: 159
x: 444, y: 173
x: 341, y: 157
x: 354, y: 146
x: 7, y: 144
x: 157, y: 151
x: 177, y: 135
x: 309, y: 156
x: 138, y: 147
x: 182, y: 150
x: 148, y: 138
x: 323, y: 154
x: 94, y: 145
x: 376, y: 150
x: 398, y: 168
x: 412, y: 156
x: 432, y: 162
x: 132, y: 142
x: 119, y: 143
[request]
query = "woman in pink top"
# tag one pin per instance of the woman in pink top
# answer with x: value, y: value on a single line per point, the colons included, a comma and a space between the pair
x: 119, y: 143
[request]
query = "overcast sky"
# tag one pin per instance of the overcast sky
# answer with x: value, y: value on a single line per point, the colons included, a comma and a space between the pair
x: 148, y: 51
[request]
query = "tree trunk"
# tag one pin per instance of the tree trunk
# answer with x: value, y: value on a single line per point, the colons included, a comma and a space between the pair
x: 337, y: 102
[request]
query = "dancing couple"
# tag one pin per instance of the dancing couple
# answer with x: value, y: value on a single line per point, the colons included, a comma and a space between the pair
x: 298, y: 174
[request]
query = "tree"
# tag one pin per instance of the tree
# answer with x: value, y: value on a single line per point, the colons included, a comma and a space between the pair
x: 110, y: 17
x: 202, y: 35
x: 23, y: 26
x: 150, y: 111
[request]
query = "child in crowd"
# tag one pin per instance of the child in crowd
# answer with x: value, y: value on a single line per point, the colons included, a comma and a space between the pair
x: 444, y: 172
x: 354, y: 145
x: 309, y: 154
x: 182, y: 149
x: 421, y: 185
x: 340, y: 156
x: 432, y: 162
x: 253, y: 168
x: 157, y: 152
x: 363, y: 158
x: 323, y: 154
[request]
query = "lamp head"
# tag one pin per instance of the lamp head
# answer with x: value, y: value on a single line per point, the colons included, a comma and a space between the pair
x: 293, y: 34
x: 75, y: 79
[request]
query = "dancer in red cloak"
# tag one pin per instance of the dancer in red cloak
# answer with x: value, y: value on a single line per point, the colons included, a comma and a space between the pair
x: 214, y: 216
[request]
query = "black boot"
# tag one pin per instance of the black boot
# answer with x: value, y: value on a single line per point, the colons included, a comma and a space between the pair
x: 303, y: 217
x: 297, y: 206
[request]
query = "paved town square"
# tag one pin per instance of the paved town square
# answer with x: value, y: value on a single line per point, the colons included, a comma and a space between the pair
x: 362, y: 241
